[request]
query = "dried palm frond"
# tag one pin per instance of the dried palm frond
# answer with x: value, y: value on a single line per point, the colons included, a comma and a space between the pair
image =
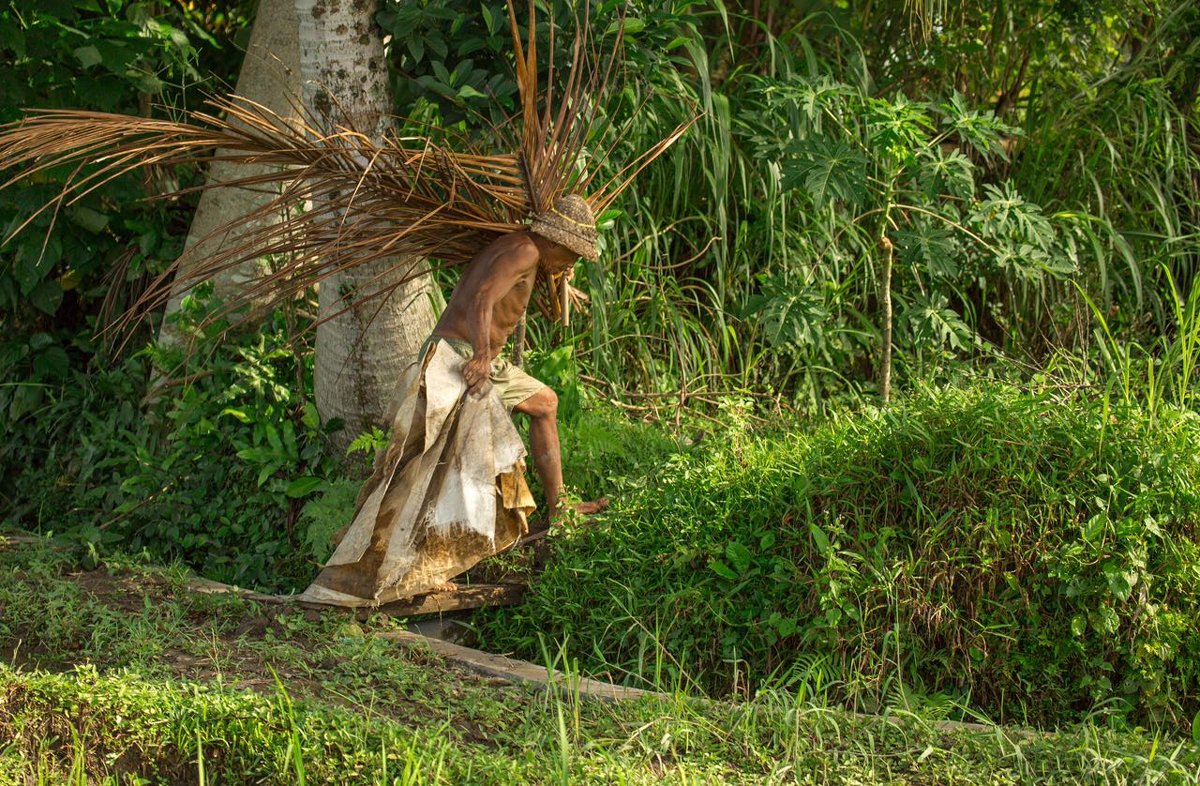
x: 403, y: 197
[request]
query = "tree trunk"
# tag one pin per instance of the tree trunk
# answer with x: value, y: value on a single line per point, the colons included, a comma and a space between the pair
x: 360, y: 353
x: 885, y: 288
x: 270, y: 75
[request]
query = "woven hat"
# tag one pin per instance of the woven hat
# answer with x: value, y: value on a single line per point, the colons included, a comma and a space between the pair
x: 569, y: 223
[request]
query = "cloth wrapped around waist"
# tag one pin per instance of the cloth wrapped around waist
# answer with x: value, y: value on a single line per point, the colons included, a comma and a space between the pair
x: 448, y: 490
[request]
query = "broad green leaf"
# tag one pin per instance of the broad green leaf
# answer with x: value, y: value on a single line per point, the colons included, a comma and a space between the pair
x: 302, y: 487
x: 25, y: 399
x: 311, y: 419
x: 933, y: 321
x: 88, y: 56
x: 722, y: 570
x: 790, y: 315
x: 1105, y: 620
x: 631, y: 25
x: 47, y: 296
x: 819, y: 538
x: 39, y: 341
x: 946, y: 173
x: 929, y: 245
x: 827, y: 171
x: 34, y: 262
x: 51, y: 363
x: 981, y: 131
x: 92, y: 220
x: 899, y: 129
x: 739, y: 556
x: 1120, y: 581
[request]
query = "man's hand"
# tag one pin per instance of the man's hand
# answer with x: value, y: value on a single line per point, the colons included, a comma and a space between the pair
x: 477, y: 374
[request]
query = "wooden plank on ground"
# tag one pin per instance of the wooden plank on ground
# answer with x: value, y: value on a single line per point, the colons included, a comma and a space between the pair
x: 520, y: 671
x: 20, y: 540
x: 476, y: 597
x: 464, y: 598
x: 516, y: 670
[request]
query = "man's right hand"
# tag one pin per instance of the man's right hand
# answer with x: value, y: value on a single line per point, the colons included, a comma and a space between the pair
x: 477, y: 374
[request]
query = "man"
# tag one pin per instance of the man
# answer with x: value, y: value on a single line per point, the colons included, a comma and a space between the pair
x: 486, y: 305
x: 449, y: 488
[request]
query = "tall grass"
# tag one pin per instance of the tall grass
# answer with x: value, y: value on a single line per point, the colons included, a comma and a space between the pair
x: 1120, y: 149
x: 1024, y: 556
x: 1163, y: 372
x: 712, y: 231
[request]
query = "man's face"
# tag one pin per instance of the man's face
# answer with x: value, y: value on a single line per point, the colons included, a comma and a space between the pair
x: 560, y: 258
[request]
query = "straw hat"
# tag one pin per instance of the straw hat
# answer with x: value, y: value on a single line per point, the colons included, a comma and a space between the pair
x: 569, y: 223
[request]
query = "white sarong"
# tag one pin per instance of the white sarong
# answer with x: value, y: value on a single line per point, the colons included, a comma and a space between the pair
x: 448, y: 490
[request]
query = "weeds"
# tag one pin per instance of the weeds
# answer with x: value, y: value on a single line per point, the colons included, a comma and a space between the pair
x: 1020, y: 555
x: 316, y: 701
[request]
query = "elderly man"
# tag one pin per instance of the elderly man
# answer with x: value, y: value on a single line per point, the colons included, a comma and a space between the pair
x: 486, y: 305
x: 449, y: 488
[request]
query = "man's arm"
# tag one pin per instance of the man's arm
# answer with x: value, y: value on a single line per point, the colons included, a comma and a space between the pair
x: 502, y: 273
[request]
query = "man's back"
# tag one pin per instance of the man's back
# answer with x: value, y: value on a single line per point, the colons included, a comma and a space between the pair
x: 494, y: 290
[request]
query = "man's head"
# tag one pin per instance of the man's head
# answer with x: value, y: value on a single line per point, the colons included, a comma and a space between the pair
x: 570, y: 224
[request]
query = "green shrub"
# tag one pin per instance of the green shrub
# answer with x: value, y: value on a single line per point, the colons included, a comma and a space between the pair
x: 1019, y: 553
x: 212, y: 466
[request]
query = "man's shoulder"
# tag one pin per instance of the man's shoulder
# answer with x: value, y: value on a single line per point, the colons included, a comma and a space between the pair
x: 521, y: 240
x: 517, y: 246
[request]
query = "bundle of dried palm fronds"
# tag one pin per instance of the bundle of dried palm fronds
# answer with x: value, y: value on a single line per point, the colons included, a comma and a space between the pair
x: 408, y: 198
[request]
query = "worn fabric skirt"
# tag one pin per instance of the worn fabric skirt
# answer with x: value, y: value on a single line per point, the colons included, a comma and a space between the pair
x: 448, y: 490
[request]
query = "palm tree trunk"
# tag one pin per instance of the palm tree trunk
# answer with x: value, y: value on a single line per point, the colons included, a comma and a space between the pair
x: 360, y: 353
x: 270, y: 75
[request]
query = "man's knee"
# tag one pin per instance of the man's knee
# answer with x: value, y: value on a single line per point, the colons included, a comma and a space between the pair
x: 543, y: 404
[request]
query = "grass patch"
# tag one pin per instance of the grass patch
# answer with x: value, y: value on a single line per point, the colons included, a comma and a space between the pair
x: 1031, y: 558
x: 220, y: 690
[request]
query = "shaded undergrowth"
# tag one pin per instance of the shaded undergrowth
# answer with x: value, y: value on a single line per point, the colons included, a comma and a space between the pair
x: 1031, y: 557
x: 216, y: 689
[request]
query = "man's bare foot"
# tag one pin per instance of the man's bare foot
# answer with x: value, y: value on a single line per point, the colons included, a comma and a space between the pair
x: 581, y: 508
x: 595, y: 506
x: 542, y: 528
x: 445, y: 586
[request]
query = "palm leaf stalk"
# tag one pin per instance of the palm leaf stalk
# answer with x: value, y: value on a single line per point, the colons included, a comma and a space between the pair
x: 410, y: 197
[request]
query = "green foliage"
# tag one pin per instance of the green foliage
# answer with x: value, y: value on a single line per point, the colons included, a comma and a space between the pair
x: 115, y: 49
x: 1026, y: 556
x: 454, y: 59
x: 213, y: 471
x: 145, y: 682
x: 873, y: 167
x: 111, y: 57
x: 746, y: 257
x: 327, y: 511
x: 607, y: 454
x: 983, y: 548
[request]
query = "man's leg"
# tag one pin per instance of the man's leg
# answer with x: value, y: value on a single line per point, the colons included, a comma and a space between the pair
x: 542, y: 409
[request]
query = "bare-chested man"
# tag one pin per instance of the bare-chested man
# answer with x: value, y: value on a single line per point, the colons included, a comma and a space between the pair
x: 485, y: 307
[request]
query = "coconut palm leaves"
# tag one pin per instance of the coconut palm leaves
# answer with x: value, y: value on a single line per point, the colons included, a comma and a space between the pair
x: 406, y: 197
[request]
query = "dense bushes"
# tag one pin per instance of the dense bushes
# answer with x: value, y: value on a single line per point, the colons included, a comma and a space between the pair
x: 211, y: 465
x: 1021, y: 554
